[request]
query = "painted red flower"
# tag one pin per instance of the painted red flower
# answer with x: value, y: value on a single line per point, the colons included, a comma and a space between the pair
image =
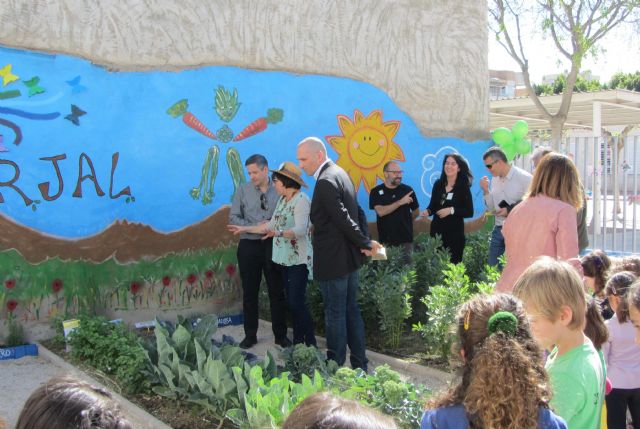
x: 293, y: 242
x: 135, y: 287
x: 166, y: 280
x: 191, y: 278
x: 230, y: 269
x: 209, y: 274
x: 11, y: 305
x: 56, y: 285
x: 9, y: 284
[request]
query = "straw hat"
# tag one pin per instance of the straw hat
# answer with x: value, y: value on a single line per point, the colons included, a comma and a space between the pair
x: 290, y: 170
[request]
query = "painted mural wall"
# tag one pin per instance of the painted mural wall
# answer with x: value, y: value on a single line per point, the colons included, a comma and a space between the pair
x: 115, y: 181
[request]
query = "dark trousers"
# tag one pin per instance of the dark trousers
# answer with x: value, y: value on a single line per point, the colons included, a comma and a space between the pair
x: 618, y: 400
x: 295, y: 280
x: 254, y: 259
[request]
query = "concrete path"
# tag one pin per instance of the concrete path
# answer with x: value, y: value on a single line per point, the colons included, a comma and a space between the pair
x: 18, y: 378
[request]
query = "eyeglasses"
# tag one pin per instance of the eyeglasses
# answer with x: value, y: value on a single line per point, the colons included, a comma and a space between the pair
x: 490, y: 165
x: 395, y: 171
x: 264, y: 203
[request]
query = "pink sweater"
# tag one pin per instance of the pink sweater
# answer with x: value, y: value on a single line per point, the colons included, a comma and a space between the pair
x: 537, y: 226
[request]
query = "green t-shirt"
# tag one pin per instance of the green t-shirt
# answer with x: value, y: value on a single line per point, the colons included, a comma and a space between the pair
x: 577, y: 380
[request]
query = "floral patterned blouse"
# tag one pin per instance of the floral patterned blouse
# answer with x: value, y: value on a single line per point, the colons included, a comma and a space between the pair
x: 293, y: 215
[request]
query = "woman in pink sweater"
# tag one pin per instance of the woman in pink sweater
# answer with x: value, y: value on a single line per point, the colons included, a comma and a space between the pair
x: 544, y: 223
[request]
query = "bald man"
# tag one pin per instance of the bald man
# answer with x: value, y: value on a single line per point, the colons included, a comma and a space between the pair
x: 339, y: 246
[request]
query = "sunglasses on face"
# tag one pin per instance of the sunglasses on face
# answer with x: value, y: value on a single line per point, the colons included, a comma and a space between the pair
x: 490, y: 165
x: 264, y: 204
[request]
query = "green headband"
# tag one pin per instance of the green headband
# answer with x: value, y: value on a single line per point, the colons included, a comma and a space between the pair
x: 503, y: 321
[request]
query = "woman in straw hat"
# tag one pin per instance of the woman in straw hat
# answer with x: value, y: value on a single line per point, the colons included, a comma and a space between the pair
x: 292, y: 251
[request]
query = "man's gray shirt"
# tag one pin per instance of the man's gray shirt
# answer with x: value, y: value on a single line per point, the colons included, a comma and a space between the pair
x: 248, y: 209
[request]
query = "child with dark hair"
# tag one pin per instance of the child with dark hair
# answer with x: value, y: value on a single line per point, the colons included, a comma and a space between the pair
x: 66, y: 403
x: 595, y: 268
x: 504, y: 384
x: 326, y: 411
x: 554, y: 298
x: 622, y: 356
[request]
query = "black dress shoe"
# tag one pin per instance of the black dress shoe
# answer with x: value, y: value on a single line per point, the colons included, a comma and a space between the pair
x: 248, y: 342
x: 284, y: 342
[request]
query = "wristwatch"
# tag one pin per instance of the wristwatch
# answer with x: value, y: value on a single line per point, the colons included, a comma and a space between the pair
x: 280, y: 233
x: 452, y: 210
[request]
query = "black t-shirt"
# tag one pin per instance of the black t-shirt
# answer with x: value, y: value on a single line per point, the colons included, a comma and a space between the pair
x: 396, y: 227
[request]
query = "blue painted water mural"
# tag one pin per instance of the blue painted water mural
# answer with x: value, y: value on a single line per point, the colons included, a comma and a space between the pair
x: 160, y: 158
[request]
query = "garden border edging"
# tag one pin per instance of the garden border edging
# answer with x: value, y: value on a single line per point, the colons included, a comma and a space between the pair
x: 142, y: 417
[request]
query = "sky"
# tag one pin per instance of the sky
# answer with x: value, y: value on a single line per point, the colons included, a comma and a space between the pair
x: 622, y: 53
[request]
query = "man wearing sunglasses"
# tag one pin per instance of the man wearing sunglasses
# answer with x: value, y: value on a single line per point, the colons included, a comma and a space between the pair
x: 396, y: 206
x: 507, y: 188
x: 254, y: 203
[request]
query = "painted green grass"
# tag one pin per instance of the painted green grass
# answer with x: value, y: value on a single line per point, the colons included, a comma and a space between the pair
x: 57, y: 286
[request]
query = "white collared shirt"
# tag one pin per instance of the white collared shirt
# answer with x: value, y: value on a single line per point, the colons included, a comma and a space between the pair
x: 317, y: 172
x: 510, y: 188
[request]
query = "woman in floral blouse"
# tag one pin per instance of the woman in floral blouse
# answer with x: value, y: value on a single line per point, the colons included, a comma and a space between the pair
x: 292, y: 251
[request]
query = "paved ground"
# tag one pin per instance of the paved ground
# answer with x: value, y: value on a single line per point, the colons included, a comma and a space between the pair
x: 18, y: 378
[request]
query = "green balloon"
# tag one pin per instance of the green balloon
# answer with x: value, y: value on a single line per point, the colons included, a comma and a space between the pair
x: 520, y: 129
x: 523, y: 147
x: 502, y: 136
x: 510, y: 151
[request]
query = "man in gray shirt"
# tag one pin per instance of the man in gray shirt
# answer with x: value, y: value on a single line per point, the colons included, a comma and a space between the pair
x: 254, y: 203
x: 508, y: 186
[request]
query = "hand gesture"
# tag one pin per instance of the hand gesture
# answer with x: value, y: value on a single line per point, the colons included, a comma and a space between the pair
x: 425, y: 213
x: 236, y: 229
x: 502, y: 211
x: 375, y: 246
x: 484, y: 184
x: 407, y: 199
x: 443, y: 212
x: 268, y: 234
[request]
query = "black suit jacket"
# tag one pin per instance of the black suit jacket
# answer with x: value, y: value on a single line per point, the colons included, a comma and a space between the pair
x: 337, y: 238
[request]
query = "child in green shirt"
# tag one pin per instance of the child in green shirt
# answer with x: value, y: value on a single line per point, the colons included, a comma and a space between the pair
x: 554, y: 298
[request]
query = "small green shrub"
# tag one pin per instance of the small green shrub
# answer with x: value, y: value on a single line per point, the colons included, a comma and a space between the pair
x: 15, y: 336
x: 383, y: 390
x: 443, y: 302
x: 430, y: 260
x: 112, y: 349
x: 301, y: 359
x: 476, y: 255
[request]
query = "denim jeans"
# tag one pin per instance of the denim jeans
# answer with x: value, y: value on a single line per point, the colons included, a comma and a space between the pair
x: 343, y: 321
x: 295, y: 280
x: 496, y: 246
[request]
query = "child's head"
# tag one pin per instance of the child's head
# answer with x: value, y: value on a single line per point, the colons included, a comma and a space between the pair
x: 553, y: 295
x: 594, y: 327
x: 326, y: 411
x: 616, y: 290
x: 595, y: 266
x: 628, y: 263
x: 503, y: 381
x: 62, y: 403
x: 633, y: 301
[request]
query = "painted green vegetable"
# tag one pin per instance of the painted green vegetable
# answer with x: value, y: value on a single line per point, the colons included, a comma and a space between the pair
x: 226, y: 104
x: 235, y: 168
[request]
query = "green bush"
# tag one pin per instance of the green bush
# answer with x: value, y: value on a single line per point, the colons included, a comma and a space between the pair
x: 15, y: 336
x: 301, y: 359
x: 476, y: 255
x: 112, y: 349
x: 430, y: 261
x: 443, y: 302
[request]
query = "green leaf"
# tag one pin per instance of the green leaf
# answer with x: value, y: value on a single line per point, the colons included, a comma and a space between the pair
x: 165, y: 391
x: 181, y: 337
x: 237, y: 416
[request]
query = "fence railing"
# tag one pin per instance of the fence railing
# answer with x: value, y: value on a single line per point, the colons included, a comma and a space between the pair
x: 609, y: 168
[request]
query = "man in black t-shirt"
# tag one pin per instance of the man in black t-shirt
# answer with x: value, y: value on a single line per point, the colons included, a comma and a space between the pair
x: 396, y: 206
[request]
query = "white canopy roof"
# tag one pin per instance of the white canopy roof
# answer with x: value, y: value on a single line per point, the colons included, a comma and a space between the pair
x: 618, y: 107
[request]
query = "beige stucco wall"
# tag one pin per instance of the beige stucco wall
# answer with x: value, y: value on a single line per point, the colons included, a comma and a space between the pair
x: 430, y: 56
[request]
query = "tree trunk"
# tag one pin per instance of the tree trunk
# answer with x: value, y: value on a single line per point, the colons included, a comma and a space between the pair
x: 556, y: 133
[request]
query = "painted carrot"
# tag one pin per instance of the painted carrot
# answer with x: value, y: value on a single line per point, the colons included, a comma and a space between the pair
x: 273, y: 116
x: 179, y: 108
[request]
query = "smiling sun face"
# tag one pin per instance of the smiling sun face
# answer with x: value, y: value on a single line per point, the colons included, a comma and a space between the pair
x: 365, y: 146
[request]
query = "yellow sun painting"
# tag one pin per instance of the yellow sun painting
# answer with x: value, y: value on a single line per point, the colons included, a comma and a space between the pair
x: 365, y: 146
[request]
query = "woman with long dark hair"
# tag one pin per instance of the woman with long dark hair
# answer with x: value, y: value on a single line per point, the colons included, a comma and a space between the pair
x: 450, y: 203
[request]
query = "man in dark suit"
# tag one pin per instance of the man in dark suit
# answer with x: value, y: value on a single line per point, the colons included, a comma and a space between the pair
x: 339, y: 247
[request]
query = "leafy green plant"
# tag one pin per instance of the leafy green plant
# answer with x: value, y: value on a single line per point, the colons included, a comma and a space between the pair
x: 15, y: 335
x: 384, y: 390
x: 306, y: 360
x: 430, y: 261
x: 476, y: 255
x: 112, y: 349
x: 442, y: 303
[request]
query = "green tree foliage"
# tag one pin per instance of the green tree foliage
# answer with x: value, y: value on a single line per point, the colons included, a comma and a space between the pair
x: 559, y: 84
x: 630, y: 81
